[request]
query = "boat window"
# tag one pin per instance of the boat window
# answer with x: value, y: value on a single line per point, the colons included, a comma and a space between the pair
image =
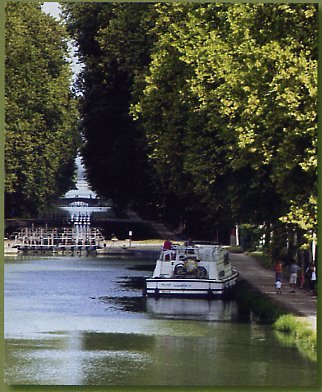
x: 168, y: 255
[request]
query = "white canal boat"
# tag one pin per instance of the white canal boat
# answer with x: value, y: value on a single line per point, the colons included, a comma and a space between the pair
x: 192, y: 271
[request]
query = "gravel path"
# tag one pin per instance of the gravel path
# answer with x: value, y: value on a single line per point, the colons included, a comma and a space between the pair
x: 301, y: 303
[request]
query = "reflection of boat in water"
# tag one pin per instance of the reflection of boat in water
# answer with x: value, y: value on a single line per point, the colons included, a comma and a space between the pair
x: 198, y: 270
x: 192, y: 309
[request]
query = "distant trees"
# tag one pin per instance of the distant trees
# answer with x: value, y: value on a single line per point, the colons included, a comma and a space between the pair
x: 114, y: 48
x: 41, y: 118
x: 214, y: 104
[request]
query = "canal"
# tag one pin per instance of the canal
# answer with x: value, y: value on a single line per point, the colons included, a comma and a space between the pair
x: 83, y: 321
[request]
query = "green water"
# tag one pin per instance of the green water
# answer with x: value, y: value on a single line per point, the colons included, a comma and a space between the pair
x: 83, y: 321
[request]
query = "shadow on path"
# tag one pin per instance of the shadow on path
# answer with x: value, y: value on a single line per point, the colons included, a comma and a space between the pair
x: 301, y: 303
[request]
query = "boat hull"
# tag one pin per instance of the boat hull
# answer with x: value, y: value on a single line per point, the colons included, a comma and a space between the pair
x: 185, y: 287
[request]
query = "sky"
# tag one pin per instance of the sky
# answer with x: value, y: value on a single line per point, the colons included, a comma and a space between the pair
x: 53, y: 9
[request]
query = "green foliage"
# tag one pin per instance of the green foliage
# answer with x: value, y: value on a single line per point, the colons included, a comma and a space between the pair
x: 303, y: 214
x: 114, y: 48
x: 247, y: 104
x: 250, y: 236
x: 286, y: 323
x: 212, y: 106
x: 41, y: 113
x: 299, y: 330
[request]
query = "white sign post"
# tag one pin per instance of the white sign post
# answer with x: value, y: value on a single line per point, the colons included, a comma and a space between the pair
x: 130, y: 235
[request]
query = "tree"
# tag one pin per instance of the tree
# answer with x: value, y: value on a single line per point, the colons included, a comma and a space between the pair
x: 250, y: 133
x: 114, y: 48
x: 224, y: 103
x: 40, y: 111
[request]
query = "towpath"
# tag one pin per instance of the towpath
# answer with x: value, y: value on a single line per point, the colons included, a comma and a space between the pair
x: 162, y: 230
x: 302, y: 303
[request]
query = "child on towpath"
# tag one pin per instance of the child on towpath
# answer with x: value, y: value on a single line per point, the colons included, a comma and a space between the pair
x: 278, y: 285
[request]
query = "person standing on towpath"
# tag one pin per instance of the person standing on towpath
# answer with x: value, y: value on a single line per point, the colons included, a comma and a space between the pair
x: 311, y: 273
x: 293, y: 275
x: 278, y: 271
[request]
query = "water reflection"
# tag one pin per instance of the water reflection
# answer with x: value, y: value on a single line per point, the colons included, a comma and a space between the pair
x: 193, y: 309
x: 74, y: 211
x: 83, y: 321
x: 126, y: 304
x: 288, y: 340
x: 186, y: 354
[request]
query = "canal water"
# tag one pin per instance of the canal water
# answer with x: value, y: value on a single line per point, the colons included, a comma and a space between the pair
x: 83, y: 321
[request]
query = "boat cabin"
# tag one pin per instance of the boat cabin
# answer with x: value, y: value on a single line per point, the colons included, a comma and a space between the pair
x: 198, y: 261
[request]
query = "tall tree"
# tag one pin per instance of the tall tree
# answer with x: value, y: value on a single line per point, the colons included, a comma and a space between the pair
x: 40, y: 110
x: 224, y: 99
x: 250, y: 134
x: 164, y: 115
x: 114, y: 49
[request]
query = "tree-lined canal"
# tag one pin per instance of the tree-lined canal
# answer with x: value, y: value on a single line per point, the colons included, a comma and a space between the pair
x: 83, y: 321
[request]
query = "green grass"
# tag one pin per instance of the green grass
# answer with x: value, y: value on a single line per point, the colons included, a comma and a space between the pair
x: 300, y: 331
x: 286, y: 323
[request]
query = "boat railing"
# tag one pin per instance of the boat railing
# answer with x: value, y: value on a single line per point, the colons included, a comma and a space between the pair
x: 177, y: 252
x: 209, y: 253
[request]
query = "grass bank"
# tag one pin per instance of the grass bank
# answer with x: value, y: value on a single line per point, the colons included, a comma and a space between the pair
x: 292, y: 330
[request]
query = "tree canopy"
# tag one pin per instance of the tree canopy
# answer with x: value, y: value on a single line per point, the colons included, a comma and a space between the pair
x: 209, y: 109
x: 41, y: 116
x: 114, y: 49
